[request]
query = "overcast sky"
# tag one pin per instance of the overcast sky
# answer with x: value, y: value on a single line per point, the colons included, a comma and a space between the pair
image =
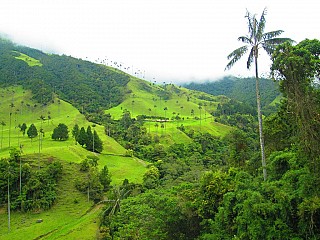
x: 167, y: 40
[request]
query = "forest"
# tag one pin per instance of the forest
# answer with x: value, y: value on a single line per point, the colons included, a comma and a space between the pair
x: 214, y: 188
x: 209, y: 188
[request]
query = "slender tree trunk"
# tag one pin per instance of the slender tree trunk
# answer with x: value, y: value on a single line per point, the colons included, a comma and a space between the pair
x: 9, y: 208
x: 20, y: 176
x: 1, y: 135
x: 200, y: 119
x: 263, y: 158
x: 10, y: 130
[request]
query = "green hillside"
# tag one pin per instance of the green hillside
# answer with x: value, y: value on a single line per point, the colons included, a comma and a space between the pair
x: 25, y: 110
x: 240, y: 89
x: 66, y: 219
x: 46, y: 90
x: 179, y: 105
x: 96, y: 87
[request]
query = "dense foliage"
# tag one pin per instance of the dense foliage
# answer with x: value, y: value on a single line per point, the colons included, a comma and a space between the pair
x: 31, y: 188
x: 89, y: 87
x: 212, y: 188
x: 91, y: 141
x: 208, y: 188
x: 61, y: 132
x: 241, y: 89
x: 94, y: 183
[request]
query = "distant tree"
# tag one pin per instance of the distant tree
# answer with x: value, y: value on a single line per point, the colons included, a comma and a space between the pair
x: 105, y: 178
x: 10, y: 129
x: 61, y: 132
x: 49, y: 117
x: 82, y: 137
x: 192, y: 112
x: 205, y: 111
x: 97, y: 142
x: 151, y: 178
x: 32, y: 132
x: 126, y: 120
x: 200, y: 108
x: 89, y: 140
x: 23, y: 128
x: 119, y: 193
x: 75, y: 132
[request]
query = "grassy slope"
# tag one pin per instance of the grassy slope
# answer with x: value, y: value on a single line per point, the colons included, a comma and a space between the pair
x: 144, y: 100
x: 60, y: 113
x: 29, y: 60
x: 66, y: 220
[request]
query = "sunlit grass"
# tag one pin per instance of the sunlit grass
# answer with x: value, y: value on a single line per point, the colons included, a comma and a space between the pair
x: 29, y: 60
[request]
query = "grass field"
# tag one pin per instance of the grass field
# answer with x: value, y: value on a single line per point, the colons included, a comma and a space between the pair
x: 66, y: 219
x: 29, y: 60
x: 27, y: 111
x: 144, y: 99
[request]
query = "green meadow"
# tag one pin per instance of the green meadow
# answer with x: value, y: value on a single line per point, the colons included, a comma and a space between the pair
x: 24, y: 110
x: 145, y: 99
x: 29, y: 60
x: 72, y: 216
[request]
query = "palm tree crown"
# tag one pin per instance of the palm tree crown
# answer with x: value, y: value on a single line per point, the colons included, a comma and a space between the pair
x: 255, y: 39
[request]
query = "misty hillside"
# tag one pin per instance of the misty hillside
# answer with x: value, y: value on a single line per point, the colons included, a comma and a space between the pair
x: 96, y: 87
x: 241, y: 89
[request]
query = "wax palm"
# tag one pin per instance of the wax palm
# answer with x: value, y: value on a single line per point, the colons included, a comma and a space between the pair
x: 255, y: 40
x: 114, y: 203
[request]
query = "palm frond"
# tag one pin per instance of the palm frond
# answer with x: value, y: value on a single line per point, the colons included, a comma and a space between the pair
x: 277, y: 41
x: 245, y: 39
x: 273, y: 34
x: 269, y: 48
x: 235, y: 56
x: 261, y: 25
x: 250, y: 58
x: 270, y: 44
x: 251, y: 23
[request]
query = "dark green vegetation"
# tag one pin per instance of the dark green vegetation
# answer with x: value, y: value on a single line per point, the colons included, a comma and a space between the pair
x: 90, y: 140
x: 203, y: 178
x: 97, y: 87
x: 214, y: 191
x: 30, y: 188
x: 241, y: 89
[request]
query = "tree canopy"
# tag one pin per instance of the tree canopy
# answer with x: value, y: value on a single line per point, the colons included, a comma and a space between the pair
x: 61, y: 132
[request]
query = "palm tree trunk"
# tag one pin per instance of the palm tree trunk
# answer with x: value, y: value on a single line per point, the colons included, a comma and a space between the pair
x: 9, y: 207
x: 263, y: 157
x: 10, y: 130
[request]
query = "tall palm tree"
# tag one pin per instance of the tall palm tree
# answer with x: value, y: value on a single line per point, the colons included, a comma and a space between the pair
x: 2, y: 123
x: 114, y: 203
x: 200, y: 107
x: 255, y: 40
